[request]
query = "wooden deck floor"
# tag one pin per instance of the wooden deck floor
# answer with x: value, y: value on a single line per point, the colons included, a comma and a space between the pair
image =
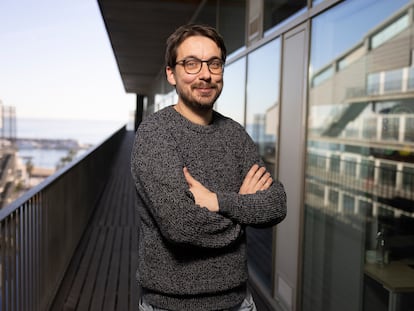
x: 101, y: 275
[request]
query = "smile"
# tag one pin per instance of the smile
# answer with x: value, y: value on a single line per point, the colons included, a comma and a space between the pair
x: 205, y: 91
x: 204, y: 88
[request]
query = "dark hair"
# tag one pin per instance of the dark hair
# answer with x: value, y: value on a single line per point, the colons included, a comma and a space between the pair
x: 190, y: 30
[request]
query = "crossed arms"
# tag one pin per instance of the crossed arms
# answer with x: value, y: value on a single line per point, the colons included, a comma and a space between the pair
x: 257, y: 179
x: 172, y: 197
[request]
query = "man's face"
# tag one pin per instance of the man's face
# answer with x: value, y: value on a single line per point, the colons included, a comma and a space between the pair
x: 197, y: 91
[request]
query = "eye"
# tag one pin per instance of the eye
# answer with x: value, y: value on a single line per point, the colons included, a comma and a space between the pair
x: 192, y: 63
x: 215, y: 64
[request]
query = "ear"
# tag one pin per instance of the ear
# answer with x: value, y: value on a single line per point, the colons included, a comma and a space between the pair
x: 170, y: 75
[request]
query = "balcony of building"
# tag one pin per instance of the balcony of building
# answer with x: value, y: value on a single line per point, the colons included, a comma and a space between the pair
x: 70, y: 243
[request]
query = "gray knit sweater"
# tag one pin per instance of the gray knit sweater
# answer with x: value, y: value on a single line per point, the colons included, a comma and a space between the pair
x: 191, y: 258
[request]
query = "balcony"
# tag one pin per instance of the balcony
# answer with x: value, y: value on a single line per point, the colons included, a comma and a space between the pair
x: 70, y: 243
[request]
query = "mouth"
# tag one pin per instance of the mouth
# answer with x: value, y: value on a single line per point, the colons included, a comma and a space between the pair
x: 204, y: 89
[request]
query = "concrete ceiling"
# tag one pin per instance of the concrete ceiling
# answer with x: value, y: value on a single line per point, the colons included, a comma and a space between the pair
x: 137, y: 30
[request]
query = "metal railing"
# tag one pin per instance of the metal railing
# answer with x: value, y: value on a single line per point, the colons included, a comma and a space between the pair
x: 40, y: 231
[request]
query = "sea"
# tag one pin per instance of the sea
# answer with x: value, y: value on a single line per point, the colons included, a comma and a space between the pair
x: 85, y: 132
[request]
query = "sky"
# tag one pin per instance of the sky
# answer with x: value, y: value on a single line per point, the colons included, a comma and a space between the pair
x: 337, y: 33
x: 56, y: 62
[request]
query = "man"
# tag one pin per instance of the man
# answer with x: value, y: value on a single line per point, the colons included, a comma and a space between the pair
x: 200, y: 181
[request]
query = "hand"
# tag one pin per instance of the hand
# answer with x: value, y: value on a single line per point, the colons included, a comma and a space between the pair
x: 256, y: 179
x: 203, y: 197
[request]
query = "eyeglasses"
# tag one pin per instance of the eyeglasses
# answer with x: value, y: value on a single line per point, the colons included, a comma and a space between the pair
x: 193, y: 65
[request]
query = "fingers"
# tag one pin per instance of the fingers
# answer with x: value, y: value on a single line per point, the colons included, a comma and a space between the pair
x: 190, y: 179
x: 203, y: 197
x: 256, y: 179
x: 262, y: 179
x: 252, y: 176
x: 252, y: 171
x: 266, y: 181
x: 259, y: 174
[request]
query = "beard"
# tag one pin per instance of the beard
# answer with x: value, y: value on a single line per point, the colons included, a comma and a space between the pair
x: 203, y: 103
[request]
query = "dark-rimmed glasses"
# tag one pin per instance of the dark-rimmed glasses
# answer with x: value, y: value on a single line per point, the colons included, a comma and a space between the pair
x: 193, y: 65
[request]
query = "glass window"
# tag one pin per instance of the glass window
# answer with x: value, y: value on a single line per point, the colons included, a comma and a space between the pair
x: 232, y: 99
x: 408, y: 177
x: 349, y: 203
x: 373, y: 86
x: 277, y: 11
x: 410, y: 82
x: 365, y: 208
x: 350, y: 166
x: 369, y: 127
x: 386, y: 33
x: 361, y: 112
x: 390, y: 127
x: 315, y: 2
x: 262, y: 114
x: 262, y: 107
x: 335, y: 163
x: 393, y: 80
x: 409, y: 128
x: 322, y: 75
x: 367, y: 170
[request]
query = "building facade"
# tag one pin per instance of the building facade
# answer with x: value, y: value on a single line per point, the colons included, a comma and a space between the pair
x: 326, y: 90
x: 12, y: 179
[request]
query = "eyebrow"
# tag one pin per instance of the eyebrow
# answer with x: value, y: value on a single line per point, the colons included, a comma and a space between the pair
x: 195, y: 57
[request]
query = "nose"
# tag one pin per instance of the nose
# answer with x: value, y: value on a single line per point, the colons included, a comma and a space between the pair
x: 204, y: 73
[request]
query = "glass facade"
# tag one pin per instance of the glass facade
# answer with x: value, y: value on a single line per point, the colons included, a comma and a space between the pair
x: 262, y: 110
x: 315, y: 2
x: 359, y: 197
x: 357, y: 217
x: 278, y: 11
x: 259, y: 93
x: 232, y: 98
x: 262, y: 102
x: 252, y: 101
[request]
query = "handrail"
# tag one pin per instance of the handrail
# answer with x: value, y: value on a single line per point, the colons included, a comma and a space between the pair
x: 40, y: 231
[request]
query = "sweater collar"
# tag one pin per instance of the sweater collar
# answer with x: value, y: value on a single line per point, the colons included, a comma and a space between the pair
x: 176, y: 117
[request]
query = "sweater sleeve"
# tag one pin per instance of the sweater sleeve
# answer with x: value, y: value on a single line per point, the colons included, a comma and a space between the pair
x: 262, y: 209
x: 157, y: 170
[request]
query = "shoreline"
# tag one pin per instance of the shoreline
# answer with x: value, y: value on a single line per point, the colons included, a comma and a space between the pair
x: 50, y: 144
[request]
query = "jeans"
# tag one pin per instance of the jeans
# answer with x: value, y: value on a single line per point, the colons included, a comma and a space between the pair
x: 246, y: 305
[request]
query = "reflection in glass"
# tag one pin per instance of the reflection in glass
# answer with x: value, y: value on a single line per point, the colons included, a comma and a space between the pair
x: 262, y: 111
x: 262, y: 107
x: 232, y: 99
x: 278, y: 11
x: 315, y: 2
x: 359, y: 204
x: 387, y: 32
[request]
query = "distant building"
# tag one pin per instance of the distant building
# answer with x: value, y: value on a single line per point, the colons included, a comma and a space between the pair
x: 12, y: 171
